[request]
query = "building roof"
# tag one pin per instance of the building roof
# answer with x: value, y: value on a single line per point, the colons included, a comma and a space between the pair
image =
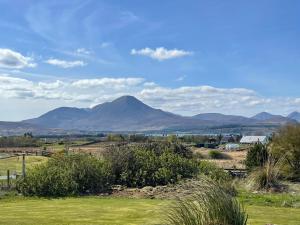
x: 253, y: 139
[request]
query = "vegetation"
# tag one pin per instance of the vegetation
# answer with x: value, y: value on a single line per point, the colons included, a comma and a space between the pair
x: 14, y: 164
x: 215, y: 154
x: 265, y: 177
x: 214, y: 172
x: 286, y: 144
x: 257, y: 156
x: 210, y: 205
x: 27, y: 140
x: 67, y: 175
x: 151, y: 164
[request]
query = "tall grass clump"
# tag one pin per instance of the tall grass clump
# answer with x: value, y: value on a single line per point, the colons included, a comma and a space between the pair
x: 211, y: 205
x: 266, y: 177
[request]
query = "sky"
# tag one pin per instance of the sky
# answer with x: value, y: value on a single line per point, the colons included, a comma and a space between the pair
x: 187, y: 57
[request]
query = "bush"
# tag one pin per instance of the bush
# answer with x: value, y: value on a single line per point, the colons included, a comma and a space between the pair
x: 210, y: 205
x: 257, y: 156
x: 67, y: 175
x: 286, y: 144
x: 145, y: 165
x: 214, y: 172
x: 215, y: 154
x: 266, y: 177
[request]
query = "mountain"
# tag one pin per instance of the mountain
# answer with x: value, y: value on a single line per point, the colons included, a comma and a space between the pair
x: 263, y: 116
x: 268, y: 118
x: 295, y: 116
x: 123, y: 114
x: 59, y: 118
x: 224, y: 119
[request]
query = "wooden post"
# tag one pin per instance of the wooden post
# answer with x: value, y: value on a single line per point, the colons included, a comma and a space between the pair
x: 23, y: 165
x: 8, y: 179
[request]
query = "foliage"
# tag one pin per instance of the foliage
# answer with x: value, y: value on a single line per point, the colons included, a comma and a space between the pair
x: 214, y: 172
x: 287, y: 144
x: 67, y: 175
x: 27, y: 140
x: 150, y: 164
x: 210, y: 205
x: 265, y: 177
x: 256, y: 156
x: 215, y: 154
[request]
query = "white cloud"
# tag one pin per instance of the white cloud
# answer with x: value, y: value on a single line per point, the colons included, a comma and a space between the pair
x: 83, y: 51
x: 65, y: 64
x: 107, y: 82
x: 161, y: 53
x: 185, y: 100
x: 14, y: 60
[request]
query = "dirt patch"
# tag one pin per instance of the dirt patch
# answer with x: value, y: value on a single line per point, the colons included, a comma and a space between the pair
x: 182, y: 189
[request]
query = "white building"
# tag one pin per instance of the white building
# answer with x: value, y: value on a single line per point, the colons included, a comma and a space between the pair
x: 232, y: 146
x: 254, y: 139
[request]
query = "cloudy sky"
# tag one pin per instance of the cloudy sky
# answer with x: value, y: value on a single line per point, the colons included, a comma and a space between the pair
x: 187, y: 57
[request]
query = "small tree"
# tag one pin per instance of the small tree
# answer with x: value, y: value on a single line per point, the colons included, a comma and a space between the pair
x: 256, y: 156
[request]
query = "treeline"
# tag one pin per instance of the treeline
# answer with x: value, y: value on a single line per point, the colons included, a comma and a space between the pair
x: 27, y: 140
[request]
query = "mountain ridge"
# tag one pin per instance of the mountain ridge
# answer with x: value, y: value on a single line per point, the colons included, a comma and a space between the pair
x: 127, y: 113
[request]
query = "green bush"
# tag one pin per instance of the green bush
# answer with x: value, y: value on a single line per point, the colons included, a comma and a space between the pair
x: 257, y: 156
x: 144, y: 165
x: 67, y: 175
x: 215, y: 154
x: 214, y: 172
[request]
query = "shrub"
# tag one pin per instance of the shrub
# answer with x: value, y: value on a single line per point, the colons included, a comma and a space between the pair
x: 142, y: 165
x: 265, y: 177
x: 214, y: 172
x: 67, y: 175
x: 210, y: 205
x: 215, y: 154
x: 256, y: 156
x: 286, y: 144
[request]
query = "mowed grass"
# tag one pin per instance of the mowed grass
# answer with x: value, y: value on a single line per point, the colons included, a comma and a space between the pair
x: 109, y: 211
x: 14, y: 164
x: 85, y: 210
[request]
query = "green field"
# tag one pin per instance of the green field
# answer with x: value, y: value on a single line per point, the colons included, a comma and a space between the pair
x: 108, y: 211
x: 14, y: 164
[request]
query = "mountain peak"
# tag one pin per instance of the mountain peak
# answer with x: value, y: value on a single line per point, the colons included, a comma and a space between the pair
x: 295, y: 116
x: 263, y: 116
x: 127, y: 99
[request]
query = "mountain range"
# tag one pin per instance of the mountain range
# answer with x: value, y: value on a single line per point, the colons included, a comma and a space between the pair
x: 130, y: 114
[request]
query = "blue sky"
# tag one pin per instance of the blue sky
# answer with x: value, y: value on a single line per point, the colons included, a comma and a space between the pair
x: 188, y: 57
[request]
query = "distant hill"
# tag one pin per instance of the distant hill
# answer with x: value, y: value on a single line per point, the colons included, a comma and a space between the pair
x: 123, y: 114
x: 225, y: 119
x: 130, y: 114
x: 295, y: 116
x: 16, y: 128
x: 269, y: 118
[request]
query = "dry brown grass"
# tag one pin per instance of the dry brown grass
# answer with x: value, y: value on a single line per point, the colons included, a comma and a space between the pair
x: 234, y: 159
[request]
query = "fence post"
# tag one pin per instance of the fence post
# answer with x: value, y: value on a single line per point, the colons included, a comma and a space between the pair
x: 23, y: 165
x: 8, y: 179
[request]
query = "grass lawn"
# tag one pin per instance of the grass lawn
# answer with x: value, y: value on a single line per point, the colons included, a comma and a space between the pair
x: 15, y: 163
x: 108, y: 211
x: 85, y: 210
